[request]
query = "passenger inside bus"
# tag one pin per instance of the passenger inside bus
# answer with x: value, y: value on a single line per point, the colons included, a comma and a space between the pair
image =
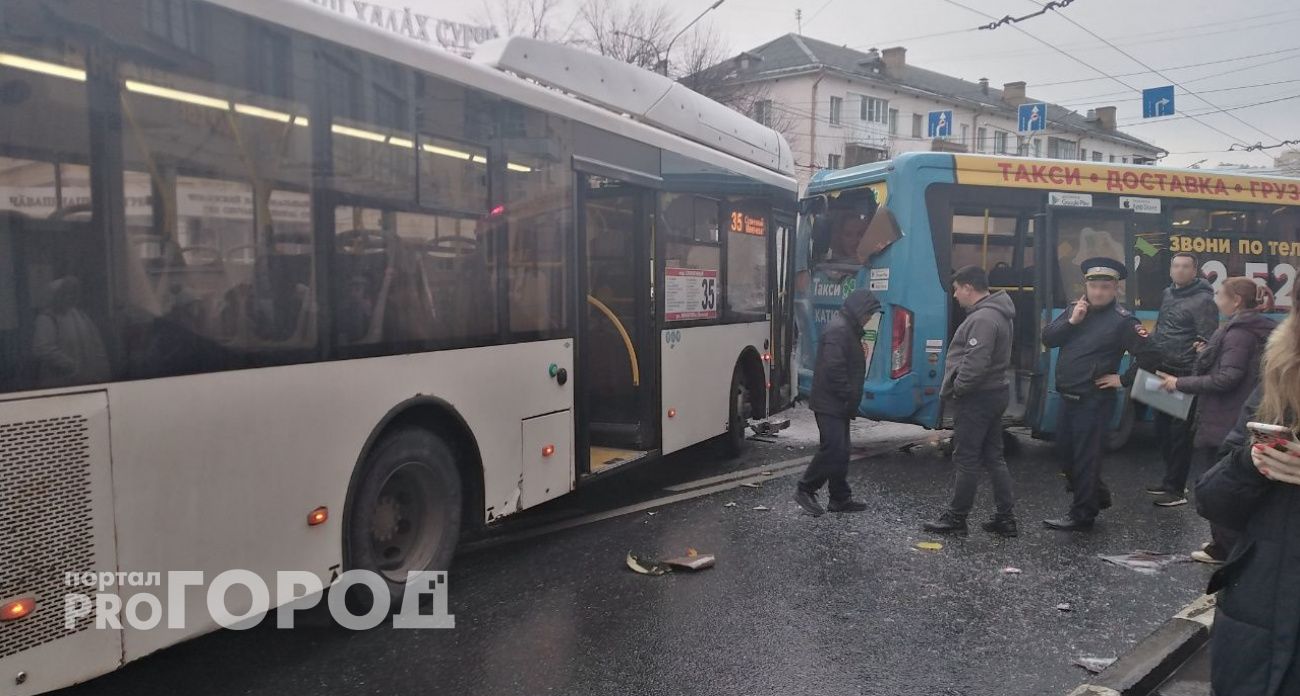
x: 66, y: 344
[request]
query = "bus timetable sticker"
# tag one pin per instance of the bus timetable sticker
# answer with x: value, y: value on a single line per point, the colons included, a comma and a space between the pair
x: 690, y: 294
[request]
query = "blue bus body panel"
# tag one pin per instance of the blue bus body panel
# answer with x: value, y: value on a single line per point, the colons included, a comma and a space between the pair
x: 913, y: 283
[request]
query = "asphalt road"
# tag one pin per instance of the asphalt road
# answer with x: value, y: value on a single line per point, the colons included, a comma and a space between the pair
x: 842, y: 604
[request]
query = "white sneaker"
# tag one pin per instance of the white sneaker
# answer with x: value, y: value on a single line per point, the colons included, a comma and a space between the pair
x: 1202, y: 557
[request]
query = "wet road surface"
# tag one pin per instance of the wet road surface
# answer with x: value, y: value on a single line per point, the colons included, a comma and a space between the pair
x: 842, y: 604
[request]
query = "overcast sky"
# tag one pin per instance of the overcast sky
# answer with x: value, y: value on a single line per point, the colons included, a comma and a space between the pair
x: 1163, y: 34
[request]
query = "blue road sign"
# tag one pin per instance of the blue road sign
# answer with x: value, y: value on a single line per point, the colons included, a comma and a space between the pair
x: 1032, y: 117
x: 940, y: 124
x: 1158, y: 101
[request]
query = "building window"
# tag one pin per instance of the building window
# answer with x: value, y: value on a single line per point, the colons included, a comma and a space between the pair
x: 1000, y: 142
x: 981, y: 139
x: 965, y: 134
x: 1083, y: 154
x: 918, y: 125
x: 763, y: 112
x: 874, y: 110
x: 832, y: 161
x: 893, y: 121
x: 1058, y: 148
x: 836, y: 106
x: 1124, y: 160
x: 1112, y: 159
x: 1038, y: 147
x: 1096, y: 156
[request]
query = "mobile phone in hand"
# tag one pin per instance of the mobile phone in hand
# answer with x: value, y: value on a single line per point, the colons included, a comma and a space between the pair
x: 1268, y: 433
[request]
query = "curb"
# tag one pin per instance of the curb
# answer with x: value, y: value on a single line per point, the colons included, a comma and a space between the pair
x: 1153, y: 660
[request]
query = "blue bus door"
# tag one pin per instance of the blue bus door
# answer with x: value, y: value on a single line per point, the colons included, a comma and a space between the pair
x: 1076, y: 233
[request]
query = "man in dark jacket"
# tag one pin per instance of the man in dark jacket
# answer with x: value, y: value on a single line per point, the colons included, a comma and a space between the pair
x: 1254, y: 646
x: 838, y: 378
x: 1187, y: 315
x: 975, y: 379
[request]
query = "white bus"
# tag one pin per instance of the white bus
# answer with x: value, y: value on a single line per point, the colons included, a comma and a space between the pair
x: 280, y: 290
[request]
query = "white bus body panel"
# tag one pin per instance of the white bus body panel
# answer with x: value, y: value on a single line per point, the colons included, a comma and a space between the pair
x: 644, y: 95
x: 56, y: 517
x: 697, y: 366
x: 219, y: 471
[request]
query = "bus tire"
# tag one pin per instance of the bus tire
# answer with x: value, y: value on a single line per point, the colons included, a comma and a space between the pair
x: 735, y: 442
x: 1119, y: 436
x: 406, y: 511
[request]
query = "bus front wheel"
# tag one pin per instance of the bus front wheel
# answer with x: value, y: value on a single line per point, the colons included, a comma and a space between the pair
x: 406, y: 511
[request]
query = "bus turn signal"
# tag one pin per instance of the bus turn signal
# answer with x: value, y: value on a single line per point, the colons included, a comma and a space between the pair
x: 318, y: 516
x: 548, y: 450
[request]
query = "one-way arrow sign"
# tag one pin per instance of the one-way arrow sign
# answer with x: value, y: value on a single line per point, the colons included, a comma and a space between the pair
x: 1158, y: 101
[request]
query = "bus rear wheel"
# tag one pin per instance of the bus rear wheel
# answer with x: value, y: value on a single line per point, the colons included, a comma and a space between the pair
x: 406, y: 511
x: 741, y: 408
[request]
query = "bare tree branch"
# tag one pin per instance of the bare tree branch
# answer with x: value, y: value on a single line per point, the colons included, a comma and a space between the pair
x: 532, y: 18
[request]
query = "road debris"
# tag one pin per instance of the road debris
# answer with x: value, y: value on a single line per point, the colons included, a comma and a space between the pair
x: 1096, y: 665
x: 646, y: 566
x: 761, y: 508
x: 1146, y: 562
x: 751, y: 485
x: 730, y: 505
x: 1064, y: 606
x: 929, y: 545
x: 1009, y: 570
x: 692, y: 561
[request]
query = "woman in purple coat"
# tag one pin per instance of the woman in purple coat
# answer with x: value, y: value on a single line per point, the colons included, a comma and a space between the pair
x: 1227, y: 372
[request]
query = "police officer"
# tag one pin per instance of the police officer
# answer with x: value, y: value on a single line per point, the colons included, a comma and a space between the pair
x: 1093, y: 333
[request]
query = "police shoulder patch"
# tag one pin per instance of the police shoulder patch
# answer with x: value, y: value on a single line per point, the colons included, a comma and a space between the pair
x: 1123, y: 312
x: 1141, y: 330
x: 973, y: 342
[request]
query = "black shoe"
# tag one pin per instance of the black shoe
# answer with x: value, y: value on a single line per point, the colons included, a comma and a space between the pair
x: 1068, y: 524
x: 1104, y: 501
x: 1158, y: 489
x: 808, y: 501
x: 947, y: 523
x: 1002, y: 526
x: 1171, y: 499
x: 849, y: 505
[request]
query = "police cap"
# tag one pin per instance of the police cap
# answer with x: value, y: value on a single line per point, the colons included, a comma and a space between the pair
x: 1102, y: 268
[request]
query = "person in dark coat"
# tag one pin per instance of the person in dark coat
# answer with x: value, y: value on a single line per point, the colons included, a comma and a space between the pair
x: 975, y: 379
x: 1187, y: 315
x: 1226, y: 373
x: 1255, y: 489
x: 838, y: 378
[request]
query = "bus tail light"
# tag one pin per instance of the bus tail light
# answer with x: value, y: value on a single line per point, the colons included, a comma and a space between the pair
x: 318, y: 516
x: 900, y: 344
x: 17, y: 609
x: 548, y: 450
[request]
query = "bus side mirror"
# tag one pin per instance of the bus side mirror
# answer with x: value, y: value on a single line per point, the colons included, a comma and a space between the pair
x: 816, y: 205
x: 821, y: 238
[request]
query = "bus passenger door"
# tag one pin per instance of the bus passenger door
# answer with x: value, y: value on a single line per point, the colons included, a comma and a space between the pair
x: 617, y: 354
x: 1074, y: 235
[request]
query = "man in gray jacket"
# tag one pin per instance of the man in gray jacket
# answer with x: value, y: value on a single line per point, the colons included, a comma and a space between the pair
x: 975, y: 379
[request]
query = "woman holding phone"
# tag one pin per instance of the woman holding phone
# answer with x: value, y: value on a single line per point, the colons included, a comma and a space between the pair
x: 1255, y: 489
x: 1227, y: 370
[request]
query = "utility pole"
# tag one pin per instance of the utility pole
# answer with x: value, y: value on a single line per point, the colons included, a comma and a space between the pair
x: 663, y: 64
x: 798, y: 20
